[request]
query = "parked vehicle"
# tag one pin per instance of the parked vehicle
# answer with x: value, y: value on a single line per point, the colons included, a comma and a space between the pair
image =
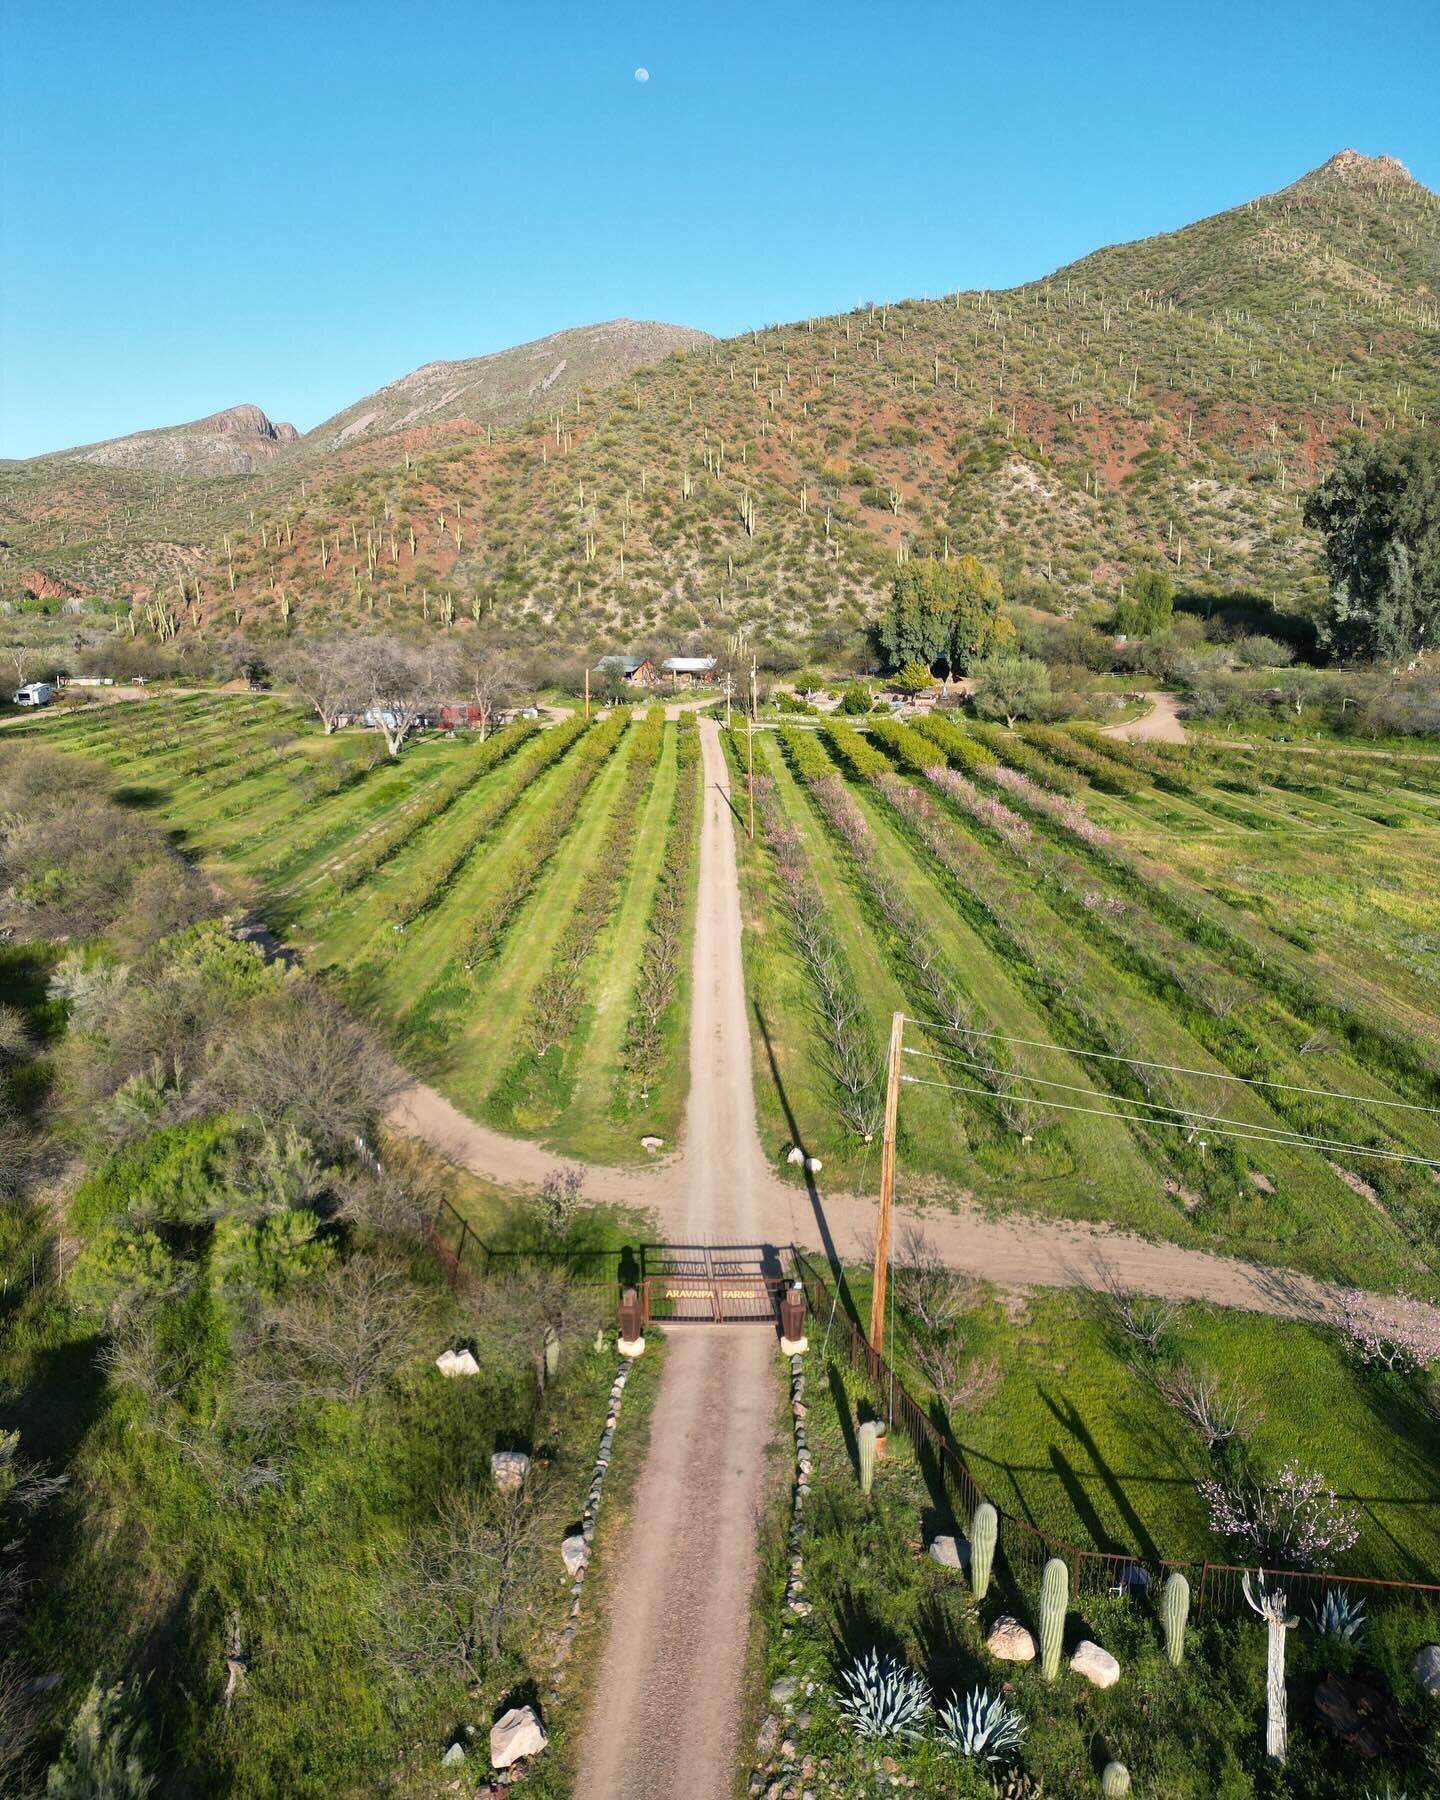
x: 34, y: 693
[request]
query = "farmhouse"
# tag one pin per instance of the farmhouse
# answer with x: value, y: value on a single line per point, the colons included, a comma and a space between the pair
x: 683, y: 670
x: 637, y: 670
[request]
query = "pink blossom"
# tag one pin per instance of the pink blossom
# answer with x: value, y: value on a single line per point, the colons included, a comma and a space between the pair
x: 1398, y: 1332
x: 1295, y: 1520
x: 1066, y: 812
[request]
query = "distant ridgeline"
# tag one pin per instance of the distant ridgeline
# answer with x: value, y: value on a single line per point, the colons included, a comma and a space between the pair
x: 1166, y: 402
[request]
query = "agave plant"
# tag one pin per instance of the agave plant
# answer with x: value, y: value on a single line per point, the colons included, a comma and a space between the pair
x: 884, y: 1698
x: 1338, y: 1616
x: 983, y: 1726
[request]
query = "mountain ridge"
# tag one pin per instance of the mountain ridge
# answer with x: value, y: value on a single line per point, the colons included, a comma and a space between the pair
x: 1165, y: 400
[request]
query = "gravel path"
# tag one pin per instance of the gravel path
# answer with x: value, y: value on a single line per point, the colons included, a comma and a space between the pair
x: 1160, y: 725
x: 665, y: 1718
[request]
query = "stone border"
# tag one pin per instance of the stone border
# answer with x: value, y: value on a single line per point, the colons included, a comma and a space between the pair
x: 784, y: 1691
x: 587, y: 1521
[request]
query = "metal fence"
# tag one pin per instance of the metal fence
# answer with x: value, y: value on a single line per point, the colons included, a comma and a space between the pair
x: 1025, y: 1547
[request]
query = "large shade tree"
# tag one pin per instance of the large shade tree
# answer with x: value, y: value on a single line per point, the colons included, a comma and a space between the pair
x: 1378, y: 511
x: 944, y: 612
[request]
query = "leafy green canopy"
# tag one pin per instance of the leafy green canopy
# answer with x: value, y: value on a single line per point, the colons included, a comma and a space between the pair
x: 1147, y: 609
x: 944, y: 612
x: 1379, y: 513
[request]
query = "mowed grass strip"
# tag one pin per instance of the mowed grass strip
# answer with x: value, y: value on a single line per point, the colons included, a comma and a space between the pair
x: 590, y: 1128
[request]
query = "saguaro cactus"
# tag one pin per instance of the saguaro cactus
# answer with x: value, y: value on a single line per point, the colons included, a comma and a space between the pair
x: 1054, y: 1599
x: 984, y: 1531
x: 552, y: 1353
x: 1115, y: 1782
x: 865, y: 1443
x: 1175, y: 1611
x: 1271, y: 1608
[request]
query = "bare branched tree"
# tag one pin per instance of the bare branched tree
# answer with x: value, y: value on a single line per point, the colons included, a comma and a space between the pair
x: 925, y: 1288
x: 962, y: 1383
x: 398, y: 682
x: 489, y: 675
x: 326, y: 674
x: 467, y: 1583
x: 1218, y: 1409
x: 342, y: 1335
x: 1141, y: 1319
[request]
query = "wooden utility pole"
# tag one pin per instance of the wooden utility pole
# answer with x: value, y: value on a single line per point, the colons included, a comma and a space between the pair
x: 887, y: 1184
x: 730, y: 689
x: 750, y: 750
x: 587, y: 690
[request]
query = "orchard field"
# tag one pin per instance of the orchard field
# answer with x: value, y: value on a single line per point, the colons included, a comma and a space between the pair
x: 1099, y: 944
x: 512, y: 913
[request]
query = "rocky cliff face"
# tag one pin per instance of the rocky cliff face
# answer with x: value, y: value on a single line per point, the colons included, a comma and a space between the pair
x: 233, y: 442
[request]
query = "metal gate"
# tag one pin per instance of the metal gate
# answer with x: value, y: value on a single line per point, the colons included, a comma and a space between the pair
x: 712, y: 1282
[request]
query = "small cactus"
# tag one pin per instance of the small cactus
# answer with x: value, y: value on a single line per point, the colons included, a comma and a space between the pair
x: 1115, y: 1782
x: 1054, y: 1599
x: 865, y: 1443
x: 984, y: 1530
x: 1174, y: 1611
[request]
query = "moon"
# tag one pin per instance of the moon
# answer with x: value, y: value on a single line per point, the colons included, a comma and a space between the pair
x: 642, y: 74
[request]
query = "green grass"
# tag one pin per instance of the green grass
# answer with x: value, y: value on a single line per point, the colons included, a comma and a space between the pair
x: 1188, y: 1734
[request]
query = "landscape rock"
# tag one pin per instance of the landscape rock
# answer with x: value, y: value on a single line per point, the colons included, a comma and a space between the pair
x: 769, y: 1736
x: 576, y: 1553
x: 515, y: 1734
x: 950, y: 1552
x: 509, y: 1469
x: 796, y: 1156
x: 1361, y: 1712
x: 652, y: 1144
x: 814, y: 1164
x: 456, y: 1362
x: 453, y: 1757
x: 1009, y: 1641
x: 1425, y: 1668
x: 783, y: 1691
x: 1098, y: 1666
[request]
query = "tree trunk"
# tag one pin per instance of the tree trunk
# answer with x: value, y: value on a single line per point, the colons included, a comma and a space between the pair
x: 1276, y: 1727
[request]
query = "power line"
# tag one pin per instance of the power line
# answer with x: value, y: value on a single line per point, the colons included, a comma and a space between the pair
x: 1196, y: 1122
x: 1137, y: 1062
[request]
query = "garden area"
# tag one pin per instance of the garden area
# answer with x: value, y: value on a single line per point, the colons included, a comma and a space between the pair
x: 934, y: 1622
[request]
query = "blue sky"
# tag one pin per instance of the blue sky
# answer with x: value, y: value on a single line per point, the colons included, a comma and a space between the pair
x: 291, y: 204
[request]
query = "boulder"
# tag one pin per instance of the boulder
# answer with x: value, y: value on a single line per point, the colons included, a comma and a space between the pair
x: 515, y: 1734
x: 814, y: 1164
x: 453, y: 1757
x: 456, y: 1362
x: 950, y: 1552
x: 796, y: 1156
x: 1361, y: 1712
x: 652, y: 1144
x: 1098, y: 1666
x: 1425, y: 1668
x: 1009, y: 1641
x: 576, y: 1553
x: 783, y: 1691
x: 509, y: 1469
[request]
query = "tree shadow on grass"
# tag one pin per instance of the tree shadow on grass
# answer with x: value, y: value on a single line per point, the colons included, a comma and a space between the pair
x: 842, y: 1412
x: 1140, y: 1540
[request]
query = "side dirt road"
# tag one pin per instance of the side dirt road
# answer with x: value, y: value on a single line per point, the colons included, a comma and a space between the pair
x: 1161, y: 725
x: 665, y: 1717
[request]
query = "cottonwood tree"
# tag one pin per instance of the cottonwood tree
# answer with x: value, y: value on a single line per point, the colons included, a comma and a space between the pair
x: 1378, y: 511
x: 326, y: 674
x: 489, y: 675
x: 944, y: 612
x: 398, y: 682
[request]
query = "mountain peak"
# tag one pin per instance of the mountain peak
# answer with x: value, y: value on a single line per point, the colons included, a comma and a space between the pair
x: 1350, y: 167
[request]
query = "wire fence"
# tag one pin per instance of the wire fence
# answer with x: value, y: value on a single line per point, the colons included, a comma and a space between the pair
x: 1026, y: 1547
